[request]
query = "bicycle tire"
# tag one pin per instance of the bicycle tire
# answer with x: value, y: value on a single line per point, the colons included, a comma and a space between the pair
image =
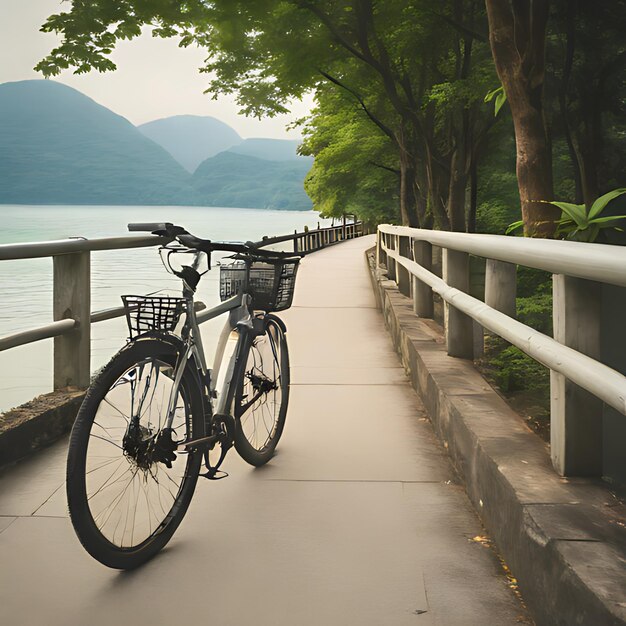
x: 259, y: 427
x: 96, y: 435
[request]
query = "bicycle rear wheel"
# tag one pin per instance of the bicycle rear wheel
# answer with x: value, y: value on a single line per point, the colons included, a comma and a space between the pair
x: 127, y: 488
x: 262, y: 393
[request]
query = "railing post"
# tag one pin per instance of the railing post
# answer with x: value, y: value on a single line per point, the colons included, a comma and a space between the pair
x: 459, y: 327
x: 575, y: 414
x: 422, y: 293
x: 72, y: 299
x: 379, y: 249
x: 404, y: 278
x: 501, y: 286
x: 391, y: 263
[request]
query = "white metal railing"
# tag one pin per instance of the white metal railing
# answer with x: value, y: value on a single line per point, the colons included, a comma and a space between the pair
x: 573, y: 355
x: 71, y: 328
x: 71, y: 303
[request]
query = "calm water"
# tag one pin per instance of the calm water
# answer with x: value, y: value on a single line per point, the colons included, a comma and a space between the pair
x: 26, y: 286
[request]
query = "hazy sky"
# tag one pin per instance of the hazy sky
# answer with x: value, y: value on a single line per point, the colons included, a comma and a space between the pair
x: 154, y: 78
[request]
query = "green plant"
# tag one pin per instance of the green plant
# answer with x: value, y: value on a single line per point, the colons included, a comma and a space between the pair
x: 514, y: 226
x: 515, y: 371
x: 500, y: 98
x: 579, y: 224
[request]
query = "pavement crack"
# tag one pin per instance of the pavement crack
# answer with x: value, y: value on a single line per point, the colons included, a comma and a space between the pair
x: 9, y: 524
x: 46, y: 500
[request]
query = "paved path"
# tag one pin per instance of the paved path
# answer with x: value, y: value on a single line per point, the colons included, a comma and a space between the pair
x: 358, y: 519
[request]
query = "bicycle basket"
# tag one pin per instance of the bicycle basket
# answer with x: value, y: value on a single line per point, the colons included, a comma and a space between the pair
x: 145, y: 313
x: 271, y: 283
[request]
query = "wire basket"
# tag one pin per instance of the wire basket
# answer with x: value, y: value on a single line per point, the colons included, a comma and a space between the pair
x: 146, y: 313
x: 270, y: 283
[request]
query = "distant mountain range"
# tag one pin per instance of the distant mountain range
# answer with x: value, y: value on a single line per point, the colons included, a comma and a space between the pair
x: 57, y: 146
x: 266, y: 184
x: 191, y: 139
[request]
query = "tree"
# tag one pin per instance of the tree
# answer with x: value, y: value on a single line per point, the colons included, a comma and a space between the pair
x: 356, y: 169
x: 268, y: 51
x: 588, y: 53
x: 517, y: 33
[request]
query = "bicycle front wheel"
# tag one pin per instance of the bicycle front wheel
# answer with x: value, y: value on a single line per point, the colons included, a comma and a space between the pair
x: 262, y: 394
x: 127, y: 486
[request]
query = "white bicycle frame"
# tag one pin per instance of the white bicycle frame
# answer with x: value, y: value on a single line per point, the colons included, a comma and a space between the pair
x: 239, y: 315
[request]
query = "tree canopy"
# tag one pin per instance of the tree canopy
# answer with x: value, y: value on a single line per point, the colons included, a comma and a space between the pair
x: 401, y: 130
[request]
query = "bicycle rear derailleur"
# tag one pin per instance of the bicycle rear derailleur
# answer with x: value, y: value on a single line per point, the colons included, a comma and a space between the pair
x: 223, y: 426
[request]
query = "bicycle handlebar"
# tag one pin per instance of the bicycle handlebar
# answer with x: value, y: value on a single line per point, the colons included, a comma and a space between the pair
x: 167, y: 229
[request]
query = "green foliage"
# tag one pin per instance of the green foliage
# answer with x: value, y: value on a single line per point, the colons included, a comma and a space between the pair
x: 500, y: 98
x: 531, y: 281
x: 514, y: 227
x: 534, y: 299
x: 515, y: 371
x: 579, y: 224
x: 526, y: 382
x: 418, y: 75
x: 536, y: 311
x: 355, y: 169
x: 498, y: 195
x: 421, y: 73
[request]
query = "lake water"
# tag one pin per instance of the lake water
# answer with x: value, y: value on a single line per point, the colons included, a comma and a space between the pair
x: 26, y: 285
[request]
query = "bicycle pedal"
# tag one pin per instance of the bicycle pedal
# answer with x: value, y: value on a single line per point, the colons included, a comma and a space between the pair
x: 215, y: 475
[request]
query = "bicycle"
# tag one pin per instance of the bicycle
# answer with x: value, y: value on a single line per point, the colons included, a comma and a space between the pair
x: 153, y: 414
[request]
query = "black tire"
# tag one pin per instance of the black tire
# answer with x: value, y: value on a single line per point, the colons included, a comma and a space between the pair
x: 260, y: 424
x: 125, y: 533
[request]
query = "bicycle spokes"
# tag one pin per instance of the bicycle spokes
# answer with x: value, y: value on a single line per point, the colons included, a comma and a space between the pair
x: 133, y: 475
x: 261, y: 396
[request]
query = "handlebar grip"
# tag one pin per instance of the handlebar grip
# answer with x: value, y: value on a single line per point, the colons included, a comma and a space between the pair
x: 149, y: 226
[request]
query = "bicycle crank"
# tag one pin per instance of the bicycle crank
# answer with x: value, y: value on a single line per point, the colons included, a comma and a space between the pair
x: 224, y: 430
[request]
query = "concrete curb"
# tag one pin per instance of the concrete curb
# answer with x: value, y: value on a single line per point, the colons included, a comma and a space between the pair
x: 564, y: 539
x: 37, y: 423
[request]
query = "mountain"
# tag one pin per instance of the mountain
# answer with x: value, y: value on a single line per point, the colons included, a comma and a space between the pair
x: 191, y: 139
x: 57, y: 146
x: 230, y: 179
x: 270, y: 149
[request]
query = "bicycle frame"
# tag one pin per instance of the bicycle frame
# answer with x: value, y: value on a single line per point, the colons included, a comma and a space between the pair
x: 239, y: 316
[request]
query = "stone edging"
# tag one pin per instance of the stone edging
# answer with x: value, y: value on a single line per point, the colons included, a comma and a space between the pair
x: 564, y: 539
x: 37, y: 423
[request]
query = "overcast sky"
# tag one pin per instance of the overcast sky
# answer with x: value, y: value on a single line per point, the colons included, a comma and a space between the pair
x: 155, y: 78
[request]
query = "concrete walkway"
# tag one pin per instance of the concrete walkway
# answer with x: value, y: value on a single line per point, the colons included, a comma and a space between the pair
x: 357, y: 520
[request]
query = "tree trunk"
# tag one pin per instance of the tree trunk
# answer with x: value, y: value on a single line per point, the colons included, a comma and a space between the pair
x: 473, y: 204
x: 589, y: 144
x: 456, y: 190
x: 421, y: 194
x: 517, y: 37
x: 408, y: 186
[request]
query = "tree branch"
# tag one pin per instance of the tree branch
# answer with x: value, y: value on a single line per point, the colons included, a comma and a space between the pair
x: 467, y: 31
x: 341, y: 40
x: 383, y: 127
x: 385, y: 167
